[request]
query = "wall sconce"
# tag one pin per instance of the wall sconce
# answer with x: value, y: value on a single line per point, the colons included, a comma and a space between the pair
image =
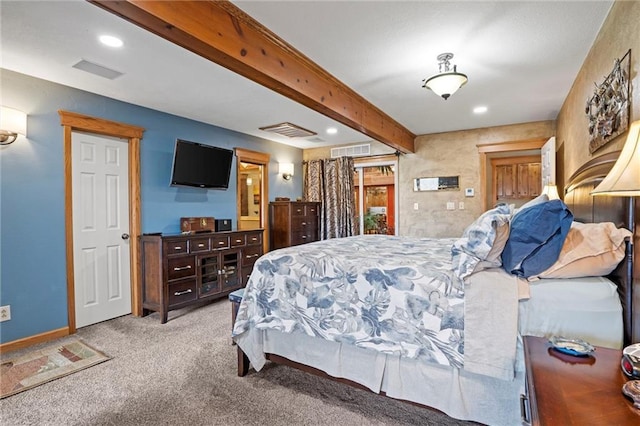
x: 286, y: 170
x: 12, y: 124
x: 249, y: 181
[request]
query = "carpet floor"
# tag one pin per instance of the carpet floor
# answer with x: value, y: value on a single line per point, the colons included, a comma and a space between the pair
x: 184, y: 373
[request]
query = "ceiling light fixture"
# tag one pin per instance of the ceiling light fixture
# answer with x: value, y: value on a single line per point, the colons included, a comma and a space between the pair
x: 110, y: 41
x: 447, y: 82
x: 480, y: 110
x: 332, y: 131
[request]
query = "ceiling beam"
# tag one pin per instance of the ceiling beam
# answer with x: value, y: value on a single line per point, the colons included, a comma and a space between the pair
x: 224, y: 34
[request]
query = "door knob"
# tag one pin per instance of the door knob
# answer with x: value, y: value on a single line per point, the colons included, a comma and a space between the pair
x: 125, y: 236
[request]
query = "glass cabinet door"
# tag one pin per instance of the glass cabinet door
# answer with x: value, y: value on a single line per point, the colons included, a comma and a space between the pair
x: 230, y: 271
x: 209, y: 275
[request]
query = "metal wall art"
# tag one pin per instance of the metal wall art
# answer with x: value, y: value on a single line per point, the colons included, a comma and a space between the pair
x: 608, y: 108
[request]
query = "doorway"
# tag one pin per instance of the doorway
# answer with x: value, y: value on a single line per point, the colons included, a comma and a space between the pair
x: 252, y: 171
x: 71, y: 122
x: 376, y: 197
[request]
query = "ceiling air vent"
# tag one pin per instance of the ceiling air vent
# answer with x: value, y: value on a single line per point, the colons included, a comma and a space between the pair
x: 351, y: 151
x: 96, y: 69
x: 289, y: 130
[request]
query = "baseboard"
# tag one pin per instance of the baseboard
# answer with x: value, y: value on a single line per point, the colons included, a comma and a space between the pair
x: 33, y: 340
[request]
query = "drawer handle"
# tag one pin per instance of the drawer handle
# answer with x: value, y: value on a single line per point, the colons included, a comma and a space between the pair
x: 221, y: 243
x: 238, y: 241
x: 200, y: 245
x: 182, y: 268
x: 298, y: 211
x: 304, y: 237
x: 249, y: 256
x: 304, y: 223
x: 177, y: 248
x: 180, y: 293
x: 254, y: 239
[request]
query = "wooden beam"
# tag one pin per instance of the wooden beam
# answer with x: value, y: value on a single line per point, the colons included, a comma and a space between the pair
x: 224, y: 34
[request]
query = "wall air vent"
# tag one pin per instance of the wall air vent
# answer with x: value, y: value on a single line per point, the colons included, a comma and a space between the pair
x: 98, y: 70
x: 289, y: 130
x: 351, y: 151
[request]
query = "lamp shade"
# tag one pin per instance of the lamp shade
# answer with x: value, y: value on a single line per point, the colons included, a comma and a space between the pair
x: 623, y: 180
x: 13, y: 121
x: 551, y: 191
x: 446, y: 83
x: 286, y: 170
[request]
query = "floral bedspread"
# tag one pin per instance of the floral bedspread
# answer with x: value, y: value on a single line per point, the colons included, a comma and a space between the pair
x: 391, y: 294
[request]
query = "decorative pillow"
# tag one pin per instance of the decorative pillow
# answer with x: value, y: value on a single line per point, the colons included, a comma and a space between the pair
x: 536, y: 237
x: 590, y: 250
x: 481, y: 243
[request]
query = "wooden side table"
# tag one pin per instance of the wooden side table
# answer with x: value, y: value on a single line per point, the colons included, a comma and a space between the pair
x: 567, y: 390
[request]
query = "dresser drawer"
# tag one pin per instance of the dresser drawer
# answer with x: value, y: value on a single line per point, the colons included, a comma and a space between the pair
x: 250, y: 254
x: 199, y: 245
x: 220, y: 242
x: 176, y: 247
x: 180, y: 267
x: 311, y: 210
x: 237, y: 240
x: 297, y: 209
x: 304, y: 223
x: 300, y: 238
x: 254, y: 238
x: 182, y: 292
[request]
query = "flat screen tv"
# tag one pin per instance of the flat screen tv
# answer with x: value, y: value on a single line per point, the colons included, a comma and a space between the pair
x: 202, y: 166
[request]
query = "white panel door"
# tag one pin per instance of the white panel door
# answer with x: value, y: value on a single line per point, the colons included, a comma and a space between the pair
x: 100, y: 176
x: 548, y: 158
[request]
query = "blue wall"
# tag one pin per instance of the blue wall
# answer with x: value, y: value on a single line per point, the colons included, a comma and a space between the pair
x: 32, y: 246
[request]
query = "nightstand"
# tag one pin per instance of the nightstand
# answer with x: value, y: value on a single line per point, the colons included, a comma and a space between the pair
x: 567, y: 390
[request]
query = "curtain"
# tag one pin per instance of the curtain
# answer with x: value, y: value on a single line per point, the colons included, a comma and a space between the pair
x: 330, y: 181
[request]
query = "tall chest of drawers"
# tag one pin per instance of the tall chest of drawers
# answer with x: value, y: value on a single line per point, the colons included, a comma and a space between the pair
x: 293, y: 223
x: 179, y: 270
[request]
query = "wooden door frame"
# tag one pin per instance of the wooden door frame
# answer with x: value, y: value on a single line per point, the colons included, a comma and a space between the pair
x: 263, y: 159
x: 72, y: 121
x: 485, y: 151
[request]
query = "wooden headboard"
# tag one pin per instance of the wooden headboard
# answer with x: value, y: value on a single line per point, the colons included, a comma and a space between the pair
x: 587, y: 208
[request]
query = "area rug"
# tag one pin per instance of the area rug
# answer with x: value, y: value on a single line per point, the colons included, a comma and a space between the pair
x: 46, y: 364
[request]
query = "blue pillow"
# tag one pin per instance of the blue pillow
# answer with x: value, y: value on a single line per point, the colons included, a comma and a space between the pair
x: 536, y: 237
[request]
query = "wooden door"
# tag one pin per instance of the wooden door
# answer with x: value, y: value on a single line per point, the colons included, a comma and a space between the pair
x: 516, y: 179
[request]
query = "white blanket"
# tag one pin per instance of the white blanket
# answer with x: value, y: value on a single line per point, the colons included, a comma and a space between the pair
x: 491, y: 323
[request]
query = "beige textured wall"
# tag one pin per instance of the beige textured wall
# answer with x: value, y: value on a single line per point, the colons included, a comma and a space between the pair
x: 451, y: 154
x: 377, y: 148
x: 619, y: 33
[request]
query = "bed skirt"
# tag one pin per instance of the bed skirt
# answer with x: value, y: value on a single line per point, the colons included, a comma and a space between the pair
x: 457, y: 393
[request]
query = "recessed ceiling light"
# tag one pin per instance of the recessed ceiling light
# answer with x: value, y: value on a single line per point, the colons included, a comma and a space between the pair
x: 480, y: 110
x: 332, y: 130
x: 110, y: 41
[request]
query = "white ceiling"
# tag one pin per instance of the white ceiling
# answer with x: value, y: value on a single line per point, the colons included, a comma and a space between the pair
x: 521, y: 59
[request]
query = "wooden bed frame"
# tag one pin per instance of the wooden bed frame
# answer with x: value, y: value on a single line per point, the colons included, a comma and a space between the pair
x: 585, y: 208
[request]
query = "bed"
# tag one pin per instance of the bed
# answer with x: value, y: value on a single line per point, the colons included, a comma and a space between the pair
x: 403, y: 325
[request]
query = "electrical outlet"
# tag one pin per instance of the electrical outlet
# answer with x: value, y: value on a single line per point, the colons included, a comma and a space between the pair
x: 5, y: 313
x: 460, y: 205
x: 415, y: 206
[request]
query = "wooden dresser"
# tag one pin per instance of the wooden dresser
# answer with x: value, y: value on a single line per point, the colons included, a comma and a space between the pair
x: 293, y: 223
x: 567, y: 390
x: 179, y: 270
